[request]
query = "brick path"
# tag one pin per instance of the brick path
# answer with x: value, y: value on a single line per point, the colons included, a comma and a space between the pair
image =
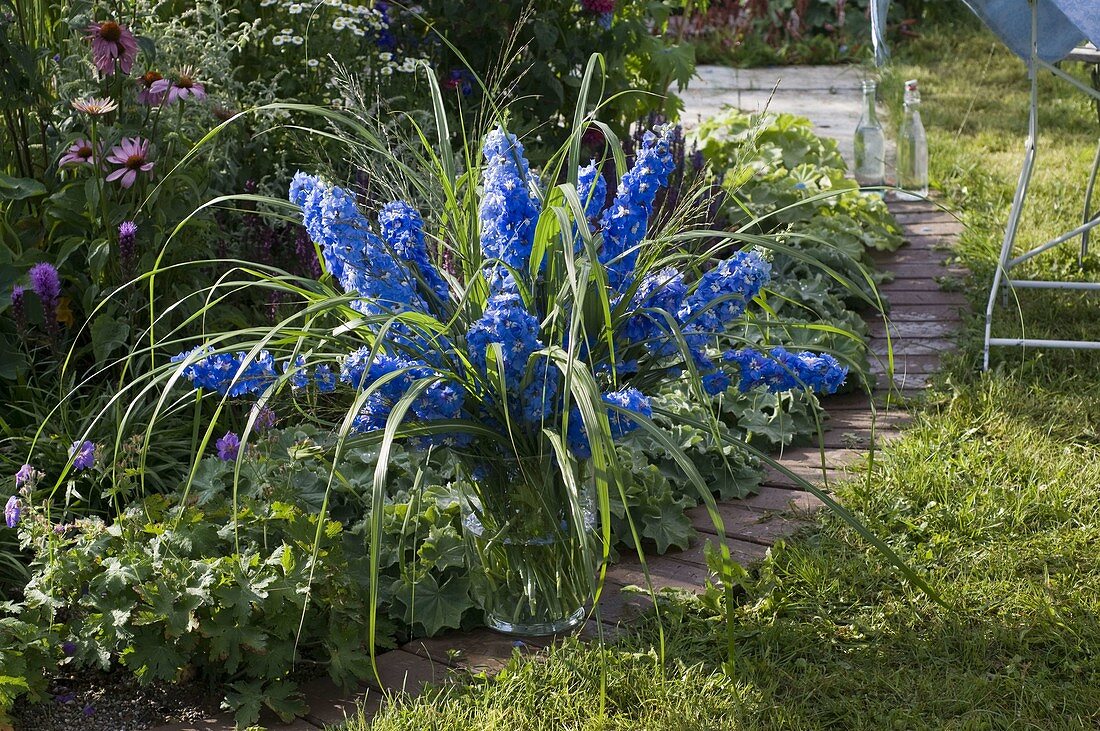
x: 923, y: 318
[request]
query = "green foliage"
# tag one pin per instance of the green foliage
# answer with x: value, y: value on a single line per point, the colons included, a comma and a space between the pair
x: 533, y: 55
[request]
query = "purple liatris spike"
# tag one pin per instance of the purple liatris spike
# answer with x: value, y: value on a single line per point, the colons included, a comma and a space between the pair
x: 45, y: 283
x: 12, y: 510
x: 228, y: 446
x: 306, y: 255
x: 127, y: 237
x: 83, y: 454
x: 18, y: 313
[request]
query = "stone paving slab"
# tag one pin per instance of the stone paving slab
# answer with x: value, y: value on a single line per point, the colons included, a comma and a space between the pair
x: 405, y: 672
x: 329, y: 704
x: 695, y: 557
x: 746, y: 526
x: 480, y: 650
x: 664, y: 571
x: 913, y: 330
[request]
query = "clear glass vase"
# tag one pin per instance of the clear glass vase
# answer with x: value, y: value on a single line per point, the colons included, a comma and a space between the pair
x: 532, y: 549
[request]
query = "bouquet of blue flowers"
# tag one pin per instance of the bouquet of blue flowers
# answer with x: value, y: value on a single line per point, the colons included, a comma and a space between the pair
x: 529, y: 356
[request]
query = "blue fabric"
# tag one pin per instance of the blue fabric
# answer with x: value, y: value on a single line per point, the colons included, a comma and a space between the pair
x: 1063, y: 24
x: 1011, y: 21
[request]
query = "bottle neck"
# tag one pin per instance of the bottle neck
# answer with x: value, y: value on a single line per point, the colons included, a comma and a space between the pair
x: 869, y: 105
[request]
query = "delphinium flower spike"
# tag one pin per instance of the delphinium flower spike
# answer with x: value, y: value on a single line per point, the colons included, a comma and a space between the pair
x: 509, y: 207
x: 626, y: 220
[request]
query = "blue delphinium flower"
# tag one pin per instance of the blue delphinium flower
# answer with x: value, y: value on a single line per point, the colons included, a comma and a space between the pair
x: 403, y: 229
x: 227, y: 373
x: 592, y: 190
x: 13, y: 509
x: 505, y: 322
x: 393, y: 376
x: 325, y: 378
x: 352, y: 252
x: 228, y: 446
x: 621, y: 425
x: 509, y: 207
x: 299, y: 372
x: 657, y: 299
x: 626, y: 220
x: 781, y: 370
x: 721, y: 295
x: 83, y: 454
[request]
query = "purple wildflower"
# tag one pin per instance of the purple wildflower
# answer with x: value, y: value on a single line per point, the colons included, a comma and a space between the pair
x: 12, y: 511
x: 265, y: 419
x: 45, y: 283
x: 83, y: 454
x: 600, y: 7
x: 25, y: 475
x: 79, y: 153
x: 68, y: 647
x: 147, y: 95
x: 112, y: 42
x: 17, y: 312
x: 127, y: 236
x: 132, y: 155
x: 228, y: 446
x: 183, y: 87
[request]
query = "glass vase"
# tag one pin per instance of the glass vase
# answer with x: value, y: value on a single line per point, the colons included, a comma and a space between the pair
x: 532, y: 548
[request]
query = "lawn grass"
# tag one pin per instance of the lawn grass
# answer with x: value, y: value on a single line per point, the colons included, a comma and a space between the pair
x: 994, y: 494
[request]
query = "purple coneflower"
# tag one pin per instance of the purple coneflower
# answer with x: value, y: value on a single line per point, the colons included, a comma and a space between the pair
x: 83, y: 454
x: 94, y: 106
x: 147, y: 94
x: 228, y: 447
x: 127, y: 236
x: 12, y: 510
x: 112, y: 42
x: 185, y: 86
x: 132, y: 154
x: 79, y: 153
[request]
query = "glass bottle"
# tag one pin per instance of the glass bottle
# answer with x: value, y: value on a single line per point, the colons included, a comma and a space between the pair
x: 912, y: 148
x: 870, y: 142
